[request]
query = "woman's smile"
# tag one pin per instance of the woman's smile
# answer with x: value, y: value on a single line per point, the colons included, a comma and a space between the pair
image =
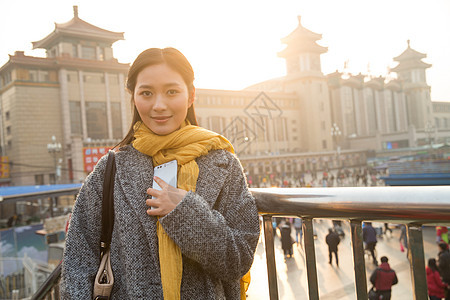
x: 161, y: 119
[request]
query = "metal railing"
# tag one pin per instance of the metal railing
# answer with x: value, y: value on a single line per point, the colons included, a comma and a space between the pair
x: 49, y: 290
x: 412, y: 206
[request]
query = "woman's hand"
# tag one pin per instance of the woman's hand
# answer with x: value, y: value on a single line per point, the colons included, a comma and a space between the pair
x: 165, y: 200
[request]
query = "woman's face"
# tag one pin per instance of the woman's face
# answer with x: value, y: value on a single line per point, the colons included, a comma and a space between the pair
x: 162, y: 98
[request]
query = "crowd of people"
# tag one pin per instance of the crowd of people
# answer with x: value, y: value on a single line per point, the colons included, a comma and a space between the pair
x: 342, y: 177
x: 383, y: 278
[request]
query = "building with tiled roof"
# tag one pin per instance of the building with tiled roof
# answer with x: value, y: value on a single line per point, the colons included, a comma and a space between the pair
x: 76, y: 94
x: 78, y: 29
x: 285, y: 126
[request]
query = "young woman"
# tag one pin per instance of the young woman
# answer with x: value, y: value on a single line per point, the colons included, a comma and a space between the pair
x: 436, y: 288
x: 193, y: 241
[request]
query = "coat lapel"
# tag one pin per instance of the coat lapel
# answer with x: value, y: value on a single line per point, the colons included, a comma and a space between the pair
x: 135, y: 171
x: 212, y: 174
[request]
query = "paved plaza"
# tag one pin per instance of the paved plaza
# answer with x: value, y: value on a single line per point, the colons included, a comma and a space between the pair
x: 334, y: 282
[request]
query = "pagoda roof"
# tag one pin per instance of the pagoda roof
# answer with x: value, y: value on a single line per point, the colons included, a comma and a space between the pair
x: 77, y: 27
x: 301, y: 33
x: 354, y: 81
x: 410, y: 54
x: 301, y: 40
x: 334, y: 79
x: 360, y: 77
x: 303, y: 48
x: 394, y: 84
x: 334, y: 74
x: 63, y: 62
x: 411, y: 64
x: 375, y: 82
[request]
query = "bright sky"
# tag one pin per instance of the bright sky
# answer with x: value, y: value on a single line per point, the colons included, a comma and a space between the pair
x: 233, y: 44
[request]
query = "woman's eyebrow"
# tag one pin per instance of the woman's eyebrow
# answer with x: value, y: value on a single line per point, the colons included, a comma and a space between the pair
x: 169, y: 84
x: 145, y: 86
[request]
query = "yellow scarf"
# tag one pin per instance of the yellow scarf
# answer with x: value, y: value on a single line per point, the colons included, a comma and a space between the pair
x: 184, y: 145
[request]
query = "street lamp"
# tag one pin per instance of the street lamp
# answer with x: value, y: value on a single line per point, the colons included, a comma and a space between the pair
x: 335, y: 134
x: 54, y: 148
x: 429, y: 129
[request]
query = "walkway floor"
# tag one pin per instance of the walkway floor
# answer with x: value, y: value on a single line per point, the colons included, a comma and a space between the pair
x: 334, y: 282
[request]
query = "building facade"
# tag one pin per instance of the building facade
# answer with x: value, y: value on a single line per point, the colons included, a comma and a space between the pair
x: 389, y: 113
x: 75, y: 94
x: 283, y: 125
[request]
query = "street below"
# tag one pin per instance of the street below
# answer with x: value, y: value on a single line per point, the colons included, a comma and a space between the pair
x: 334, y: 282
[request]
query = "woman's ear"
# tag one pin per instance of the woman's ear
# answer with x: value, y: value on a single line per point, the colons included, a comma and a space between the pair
x: 191, y: 97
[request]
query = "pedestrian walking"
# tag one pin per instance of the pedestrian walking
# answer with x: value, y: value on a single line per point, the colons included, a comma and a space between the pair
x: 386, y: 228
x: 298, y: 230
x: 443, y: 264
x: 370, y: 239
x: 441, y: 234
x: 436, y: 287
x: 194, y: 240
x: 286, y: 238
x: 332, y: 239
x: 337, y: 226
x: 403, y: 239
x: 383, y: 278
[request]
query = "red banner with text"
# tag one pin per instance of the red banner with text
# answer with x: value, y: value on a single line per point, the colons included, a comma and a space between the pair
x: 91, y: 155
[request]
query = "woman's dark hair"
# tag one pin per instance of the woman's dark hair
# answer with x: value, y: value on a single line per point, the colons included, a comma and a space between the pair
x: 443, y: 245
x: 155, y: 56
x: 432, y: 264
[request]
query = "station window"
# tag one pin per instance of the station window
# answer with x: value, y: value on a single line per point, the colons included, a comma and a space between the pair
x: 43, y: 76
x: 39, y: 179
x: 33, y: 75
x: 96, y: 120
x: 74, y: 50
x: 52, y: 178
x: 7, y: 78
x: 102, y: 54
x: 88, y: 52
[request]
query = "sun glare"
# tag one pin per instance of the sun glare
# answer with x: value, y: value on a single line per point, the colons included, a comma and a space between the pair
x: 234, y: 44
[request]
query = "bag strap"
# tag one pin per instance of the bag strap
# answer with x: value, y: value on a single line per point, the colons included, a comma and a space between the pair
x: 108, y: 203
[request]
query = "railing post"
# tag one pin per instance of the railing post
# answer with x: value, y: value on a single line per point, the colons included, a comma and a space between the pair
x: 417, y: 261
x: 310, y: 257
x: 359, y: 263
x: 270, y: 257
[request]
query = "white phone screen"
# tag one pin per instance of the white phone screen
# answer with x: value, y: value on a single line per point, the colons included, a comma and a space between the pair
x: 167, y: 172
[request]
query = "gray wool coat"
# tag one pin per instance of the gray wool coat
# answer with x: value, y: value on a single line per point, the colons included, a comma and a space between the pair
x: 216, y: 228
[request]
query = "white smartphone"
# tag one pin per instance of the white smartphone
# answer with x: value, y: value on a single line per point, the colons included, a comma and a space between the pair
x: 167, y: 172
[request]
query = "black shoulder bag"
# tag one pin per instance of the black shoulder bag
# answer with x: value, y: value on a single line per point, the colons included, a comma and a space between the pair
x: 104, y: 280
